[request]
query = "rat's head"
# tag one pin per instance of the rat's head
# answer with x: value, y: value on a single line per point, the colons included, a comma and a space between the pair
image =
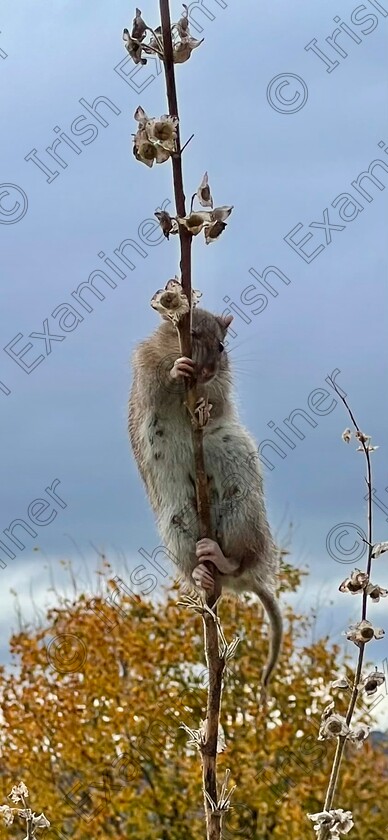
x: 208, y: 352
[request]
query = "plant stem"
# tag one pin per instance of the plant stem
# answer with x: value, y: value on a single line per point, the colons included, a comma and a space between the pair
x: 185, y: 266
x: 331, y: 790
x: 215, y: 663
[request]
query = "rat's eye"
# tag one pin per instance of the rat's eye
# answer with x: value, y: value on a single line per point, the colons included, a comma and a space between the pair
x: 221, y: 346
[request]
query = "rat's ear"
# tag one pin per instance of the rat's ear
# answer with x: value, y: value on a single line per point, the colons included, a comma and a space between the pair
x: 225, y: 321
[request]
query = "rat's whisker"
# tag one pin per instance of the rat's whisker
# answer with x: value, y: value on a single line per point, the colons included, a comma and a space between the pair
x: 245, y: 359
x: 235, y: 347
x: 247, y: 373
x: 234, y: 344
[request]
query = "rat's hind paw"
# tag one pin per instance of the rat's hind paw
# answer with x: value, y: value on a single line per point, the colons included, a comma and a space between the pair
x: 203, y: 577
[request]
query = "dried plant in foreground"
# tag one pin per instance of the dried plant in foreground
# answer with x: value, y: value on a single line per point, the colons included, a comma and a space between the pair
x: 157, y: 140
x: 19, y: 794
x: 330, y: 822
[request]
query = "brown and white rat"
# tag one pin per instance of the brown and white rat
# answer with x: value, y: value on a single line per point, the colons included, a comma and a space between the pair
x: 160, y: 434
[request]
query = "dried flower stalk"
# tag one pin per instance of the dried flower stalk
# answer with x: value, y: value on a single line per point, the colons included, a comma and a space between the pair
x: 214, y: 657
x: 20, y: 794
x: 332, y: 823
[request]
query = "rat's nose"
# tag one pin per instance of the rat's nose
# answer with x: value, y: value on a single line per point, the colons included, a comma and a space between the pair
x: 207, y: 372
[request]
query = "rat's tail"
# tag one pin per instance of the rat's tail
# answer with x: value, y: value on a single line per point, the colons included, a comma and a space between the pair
x: 272, y: 609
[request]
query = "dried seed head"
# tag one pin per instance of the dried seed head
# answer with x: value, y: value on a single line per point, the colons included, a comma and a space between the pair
x: 355, y: 583
x: 379, y: 548
x: 362, y: 437
x: 159, y: 133
x: 365, y: 440
x: 328, y: 711
x: 182, y: 51
x: 144, y: 151
x: 376, y: 592
x: 341, y: 683
x: 334, y: 726
x: 203, y: 192
x: 363, y: 632
x: 336, y: 821
x: 372, y: 682
x: 359, y: 734
x: 162, y: 154
x: 7, y: 814
x: 140, y: 116
x: 163, y: 131
x: 185, y: 43
x: 212, y: 232
x: 133, y: 48
x: 18, y: 792
x: 40, y: 821
x: 219, y: 214
x: 139, y: 27
x: 167, y: 224
x: 194, y: 222
x: 171, y: 302
x: 183, y: 23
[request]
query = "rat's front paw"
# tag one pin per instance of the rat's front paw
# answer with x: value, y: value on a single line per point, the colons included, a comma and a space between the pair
x: 182, y: 367
x: 202, y: 577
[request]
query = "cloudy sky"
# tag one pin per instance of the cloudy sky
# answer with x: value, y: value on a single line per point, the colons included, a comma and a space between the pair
x: 283, y: 132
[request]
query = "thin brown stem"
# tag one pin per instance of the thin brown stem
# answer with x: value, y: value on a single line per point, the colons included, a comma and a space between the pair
x: 333, y: 782
x: 215, y: 663
x: 185, y: 236
x: 187, y: 142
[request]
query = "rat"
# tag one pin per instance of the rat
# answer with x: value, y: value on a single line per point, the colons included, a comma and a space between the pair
x: 159, y: 427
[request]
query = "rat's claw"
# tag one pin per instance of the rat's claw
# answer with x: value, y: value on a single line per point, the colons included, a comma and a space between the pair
x: 182, y: 367
x: 203, y: 409
x: 202, y: 577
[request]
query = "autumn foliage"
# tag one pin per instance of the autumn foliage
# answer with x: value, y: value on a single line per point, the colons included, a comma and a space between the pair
x: 93, y: 704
